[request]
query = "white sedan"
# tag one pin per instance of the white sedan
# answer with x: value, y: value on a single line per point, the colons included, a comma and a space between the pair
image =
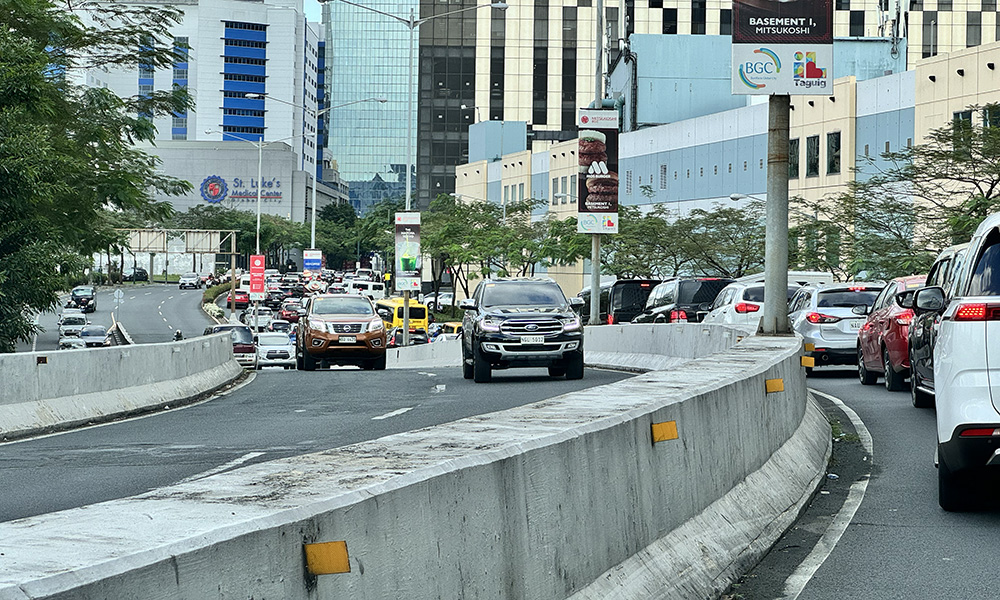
x: 275, y: 350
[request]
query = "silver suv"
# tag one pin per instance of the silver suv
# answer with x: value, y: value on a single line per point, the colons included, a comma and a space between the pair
x: 824, y: 315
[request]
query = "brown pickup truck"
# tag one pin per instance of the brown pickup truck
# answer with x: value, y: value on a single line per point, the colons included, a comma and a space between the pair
x: 340, y: 329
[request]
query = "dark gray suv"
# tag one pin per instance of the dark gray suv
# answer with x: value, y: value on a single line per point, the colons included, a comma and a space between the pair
x: 521, y: 322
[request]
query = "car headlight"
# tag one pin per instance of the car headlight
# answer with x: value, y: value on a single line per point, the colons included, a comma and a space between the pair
x: 570, y: 323
x: 317, y: 326
x: 376, y: 325
x: 489, y: 324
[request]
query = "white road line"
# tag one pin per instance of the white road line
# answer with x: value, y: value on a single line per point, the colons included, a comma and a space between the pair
x: 229, y: 465
x: 439, y: 388
x: 168, y: 298
x: 798, y: 580
x: 164, y: 319
x: 148, y: 294
x: 131, y: 297
x: 394, y: 413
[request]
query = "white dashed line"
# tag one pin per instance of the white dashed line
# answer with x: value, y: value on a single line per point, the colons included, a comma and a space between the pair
x: 131, y: 297
x: 148, y: 293
x: 394, y: 413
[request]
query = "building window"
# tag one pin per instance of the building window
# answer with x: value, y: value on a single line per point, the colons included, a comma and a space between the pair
x: 663, y: 177
x: 628, y: 182
x: 555, y: 191
x: 179, y: 135
x: 857, y: 27
x: 944, y: 5
x: 812, y: 156
x: 929, y: 34
x: 793, y: 158
x: 246, y: 43
x: 565, y: 190
x: 962, y: 130
x: 506, y: 194
x: 833, y: 153
x: 146, y: 72
x: 698, y: 17
x: 726, y: 21
x: 973, y: 29
x: 245, y: 26
x: 655, y: 3
x: 572, y: 189
x: 145, y: 90
x: 991, y: 115
x: 843, y: 5
x: 520, y: 192
x: 670, y: 20
x: 239, y: 60
x: 179, y: 122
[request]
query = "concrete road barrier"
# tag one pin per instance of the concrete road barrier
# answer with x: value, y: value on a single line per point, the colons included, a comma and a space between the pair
x: 47, y: 391
x: 665, y: 485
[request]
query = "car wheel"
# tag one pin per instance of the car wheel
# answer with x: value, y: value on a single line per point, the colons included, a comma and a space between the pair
x: 894, y: 381
x: 953, y: 494
x: 481, y: 370
x: 918, y: 397
x: 379, y: 363
x: 308, y: 361
x: 298, y: 361
x: 467, y: 367
x: 557, y: 371
x: 866, y: 377
x: 574, y: 366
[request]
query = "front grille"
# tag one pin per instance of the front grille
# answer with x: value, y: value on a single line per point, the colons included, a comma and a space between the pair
x: 530, y: 326
x: 275, y: 354
x: 345, y: 328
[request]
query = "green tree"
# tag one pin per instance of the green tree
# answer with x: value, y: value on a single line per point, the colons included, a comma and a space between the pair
x: 724, y: 241
x: 341, y: 213
x: 67, y: 152
x: 903, y: 207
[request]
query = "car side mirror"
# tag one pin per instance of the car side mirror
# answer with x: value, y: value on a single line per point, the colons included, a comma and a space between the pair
x: 905, y: 299
x: 467, y: 304
x: 705, y: 306
x: 576, y: 302
x: 929, y: 299
x: 860, y: 310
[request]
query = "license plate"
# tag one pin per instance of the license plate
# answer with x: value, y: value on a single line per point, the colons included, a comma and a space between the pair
x: 532, y: 339
x: 347, y: 339
x: 855, y: 324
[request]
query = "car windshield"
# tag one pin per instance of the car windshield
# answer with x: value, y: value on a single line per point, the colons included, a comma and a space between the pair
x: 83, y: 292
x: 273, y: 339
x: 756, y: 293
x: 94, y: 330
x: 342, y: 306
x: 847, y: 298
x: 71, y: 320
x: 523, y: 294
x: 700, y: 290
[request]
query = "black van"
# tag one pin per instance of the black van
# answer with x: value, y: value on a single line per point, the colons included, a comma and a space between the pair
x: 621, y: 301
x: 681, y: 300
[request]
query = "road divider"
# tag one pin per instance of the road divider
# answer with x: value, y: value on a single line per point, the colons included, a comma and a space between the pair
x: 63, y: 389
x: 669, y: 484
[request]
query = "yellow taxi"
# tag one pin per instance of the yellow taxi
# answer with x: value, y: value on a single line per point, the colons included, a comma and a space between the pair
x: 391, y: 311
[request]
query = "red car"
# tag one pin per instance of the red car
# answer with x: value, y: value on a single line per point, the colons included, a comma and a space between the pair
x: 242, y: 299
x: 290, y: 311
x: 882, y: 340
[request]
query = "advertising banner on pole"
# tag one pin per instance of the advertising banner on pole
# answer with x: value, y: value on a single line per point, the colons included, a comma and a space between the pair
x: 312, y: 260
x: 256, y: 277
x: 597, y: 183
x: 408, y: 252
x: 782, y: 47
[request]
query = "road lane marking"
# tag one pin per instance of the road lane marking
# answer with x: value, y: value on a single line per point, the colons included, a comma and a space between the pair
x: 438, y: 389
x: 224, y: 467
x: 394, y: 413
x: 148, y: 294
x: 427, y: 374
x: 168, y: 298
x: 131, y: 297
x: 798, y: 580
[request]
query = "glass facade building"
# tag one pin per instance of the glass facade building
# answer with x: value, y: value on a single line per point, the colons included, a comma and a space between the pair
x: 366, y: 56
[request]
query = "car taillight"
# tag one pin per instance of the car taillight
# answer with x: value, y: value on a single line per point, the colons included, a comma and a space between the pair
x: 611, y: 319
x: 977, y: 312
x: 904, y: 318
x: 981, y: 432
x: 678, y: 316
x: 744, y: 307
x: 821, y: 318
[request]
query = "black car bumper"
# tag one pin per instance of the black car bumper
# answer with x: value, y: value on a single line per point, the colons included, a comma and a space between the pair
x: 963, y: 453
x: 505, y: 351
x: 835, y: 356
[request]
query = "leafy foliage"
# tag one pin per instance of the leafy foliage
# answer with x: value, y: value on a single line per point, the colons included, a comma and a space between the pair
x: 67, y: 152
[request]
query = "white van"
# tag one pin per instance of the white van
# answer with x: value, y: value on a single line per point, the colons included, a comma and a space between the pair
x: 244, y: 283
x: 373, y: 289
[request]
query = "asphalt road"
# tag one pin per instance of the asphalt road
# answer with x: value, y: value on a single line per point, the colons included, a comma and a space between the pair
x: 898, y: 543
x: 279, y: 414
x: 150, y: 313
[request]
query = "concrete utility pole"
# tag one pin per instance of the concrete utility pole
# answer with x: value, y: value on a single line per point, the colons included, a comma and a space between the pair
x: 774, y: 320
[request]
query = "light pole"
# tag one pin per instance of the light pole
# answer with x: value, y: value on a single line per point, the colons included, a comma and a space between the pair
x: 316, y: 115
x: 413, y: 23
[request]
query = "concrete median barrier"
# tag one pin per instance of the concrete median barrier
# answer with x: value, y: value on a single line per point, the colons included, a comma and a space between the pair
x: 48, y: 391
x: 664, y: 485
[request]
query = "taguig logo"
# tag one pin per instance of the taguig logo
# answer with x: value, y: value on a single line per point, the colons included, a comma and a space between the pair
x: 806, y: 72
x: 754, y: 73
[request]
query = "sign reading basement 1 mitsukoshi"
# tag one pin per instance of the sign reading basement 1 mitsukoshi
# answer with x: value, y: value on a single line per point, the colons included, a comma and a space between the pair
x: 783, y: 47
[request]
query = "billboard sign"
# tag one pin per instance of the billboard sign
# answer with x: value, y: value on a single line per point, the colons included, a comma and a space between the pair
x: 408, y: 252
x: 256, y: 277
x: 597, y: 183
x: 782, y: 47
x: 312, y: 260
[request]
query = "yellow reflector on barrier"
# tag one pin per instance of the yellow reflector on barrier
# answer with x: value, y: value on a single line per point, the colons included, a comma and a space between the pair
x: 808, y: 361
x: 327, y: 558
x: 774, y: 385
x: 665, y: 431
x: 810, y: 347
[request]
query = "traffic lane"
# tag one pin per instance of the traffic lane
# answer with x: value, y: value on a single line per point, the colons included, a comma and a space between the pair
x: 154, y: 314
x: 899, y: 543
x: 279, y: 414
x: 48, y: 337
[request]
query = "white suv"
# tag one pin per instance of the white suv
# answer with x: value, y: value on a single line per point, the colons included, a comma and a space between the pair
x: 967, y: 368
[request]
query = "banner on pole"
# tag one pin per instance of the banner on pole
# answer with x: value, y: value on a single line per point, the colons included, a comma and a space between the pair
x: 597, y: 182
x: 408, y: 252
